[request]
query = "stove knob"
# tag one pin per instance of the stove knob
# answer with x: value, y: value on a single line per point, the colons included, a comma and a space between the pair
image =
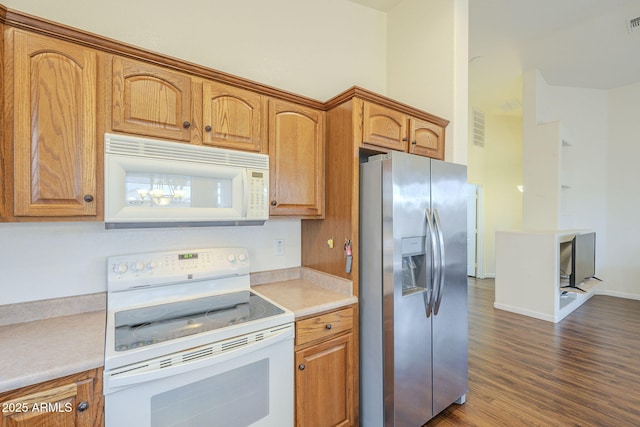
x: 138, y: 266
x: 152, y: 264
x: 231, y: 258
x: 242, y: 257
x: 120, y: 268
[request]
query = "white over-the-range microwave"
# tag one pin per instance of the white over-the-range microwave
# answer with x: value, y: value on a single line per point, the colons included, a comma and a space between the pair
x: 153, y: 183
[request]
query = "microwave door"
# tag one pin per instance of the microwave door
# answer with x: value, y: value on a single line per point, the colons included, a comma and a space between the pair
x: 155, y: 190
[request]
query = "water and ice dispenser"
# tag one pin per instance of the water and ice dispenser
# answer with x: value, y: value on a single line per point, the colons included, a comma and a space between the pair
x: 414, y: 265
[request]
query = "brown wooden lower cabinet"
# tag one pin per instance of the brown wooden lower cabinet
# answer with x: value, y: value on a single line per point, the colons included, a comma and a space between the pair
x: 74, y: 400
x: 325, y: 370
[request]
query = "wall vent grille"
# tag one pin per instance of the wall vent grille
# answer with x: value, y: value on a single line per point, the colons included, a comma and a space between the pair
x: 478, y: 128
x: 633, y: 25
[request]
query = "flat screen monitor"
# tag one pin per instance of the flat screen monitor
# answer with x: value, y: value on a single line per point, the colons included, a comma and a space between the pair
x: 583, y: 258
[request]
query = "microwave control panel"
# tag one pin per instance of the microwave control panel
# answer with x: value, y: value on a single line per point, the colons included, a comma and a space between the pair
x: 258, y: 197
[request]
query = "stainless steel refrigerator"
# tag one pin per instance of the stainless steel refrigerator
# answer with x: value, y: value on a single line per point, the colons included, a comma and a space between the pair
x: 413, y: 289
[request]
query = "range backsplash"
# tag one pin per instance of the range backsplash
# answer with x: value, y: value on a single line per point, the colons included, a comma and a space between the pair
x: 53, y: 260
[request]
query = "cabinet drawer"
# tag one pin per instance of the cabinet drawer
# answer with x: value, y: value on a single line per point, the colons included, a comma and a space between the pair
x: 323, y: 326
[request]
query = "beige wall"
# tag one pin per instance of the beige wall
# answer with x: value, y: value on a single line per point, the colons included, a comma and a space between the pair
x: 312, y: 48
x: 316, y: 48
x: 497, y: 169
x: 427, y: 64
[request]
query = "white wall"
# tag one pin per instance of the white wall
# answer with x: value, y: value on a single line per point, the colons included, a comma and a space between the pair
x: 621, y: 268
x: 427, y: 64
x: 51, y: 260
x: 313, y: 48
x: 542, y: 147
x: 583, y: 115
x: 497, y: 169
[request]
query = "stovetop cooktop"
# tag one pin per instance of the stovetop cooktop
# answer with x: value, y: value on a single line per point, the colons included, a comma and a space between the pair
x: 150, y: 325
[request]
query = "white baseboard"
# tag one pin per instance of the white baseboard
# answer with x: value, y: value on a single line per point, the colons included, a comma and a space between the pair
x: 617, y: 294
x: 519, y: 310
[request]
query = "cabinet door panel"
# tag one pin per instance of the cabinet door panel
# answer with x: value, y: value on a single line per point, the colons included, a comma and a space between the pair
x: 234, y: 118
x: 55, y: 127
x: 427, y: 139
x: 384, y: 127
x: 151, y: 101
x: 57, y: 403
x: 296, y: 159
x: 324, y: 394
x: 53, y: 407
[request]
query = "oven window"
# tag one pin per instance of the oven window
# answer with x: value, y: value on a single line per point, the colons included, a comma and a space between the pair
x: 234, y: 398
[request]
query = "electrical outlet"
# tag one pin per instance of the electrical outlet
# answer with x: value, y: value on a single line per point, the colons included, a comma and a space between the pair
x: 278, y: 247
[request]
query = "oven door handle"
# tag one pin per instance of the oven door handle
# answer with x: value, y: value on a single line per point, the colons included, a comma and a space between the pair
x: 192, y: 359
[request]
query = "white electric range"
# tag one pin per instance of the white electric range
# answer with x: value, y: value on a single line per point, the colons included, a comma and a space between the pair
x: 189, y: 343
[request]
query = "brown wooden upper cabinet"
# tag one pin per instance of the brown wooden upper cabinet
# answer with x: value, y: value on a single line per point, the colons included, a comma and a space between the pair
x: 296, y: 160
x: 384, y: 127
x: 234, y: 118
x: 387, y: 128
x: 150, y: 100
x: 54, y: 126
x: 426, y: 139
x: 157, y: 102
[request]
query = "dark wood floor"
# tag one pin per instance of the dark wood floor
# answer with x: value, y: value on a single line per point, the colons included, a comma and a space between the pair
x: 583, y: 371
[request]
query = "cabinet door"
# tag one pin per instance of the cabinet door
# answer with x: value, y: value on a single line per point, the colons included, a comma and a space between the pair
x: 234, y: 118
x: 296, y: 160
x: 149, y: 100
x: 427, y: 139
x: 324, y: 384
x: 384, y: 127
x: 54, y: 97
x: 65, y: 404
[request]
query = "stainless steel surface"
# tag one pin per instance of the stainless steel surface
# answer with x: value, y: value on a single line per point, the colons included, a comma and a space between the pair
x: 450, y: 324
x: 413, y: 327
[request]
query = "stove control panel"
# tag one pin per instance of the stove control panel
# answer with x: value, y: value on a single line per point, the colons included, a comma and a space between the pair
x: 163, y: 268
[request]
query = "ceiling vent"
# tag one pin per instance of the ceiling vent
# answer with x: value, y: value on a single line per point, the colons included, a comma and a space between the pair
x: 633, y: 25
x: 478, y: 128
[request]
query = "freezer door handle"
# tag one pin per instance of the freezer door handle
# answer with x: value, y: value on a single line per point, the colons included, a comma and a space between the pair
x: 432, y: 272
x: 441, y: 264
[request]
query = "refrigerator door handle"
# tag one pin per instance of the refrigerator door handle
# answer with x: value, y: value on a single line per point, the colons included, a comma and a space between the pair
x: 441, y: 264
x: 433, y: 270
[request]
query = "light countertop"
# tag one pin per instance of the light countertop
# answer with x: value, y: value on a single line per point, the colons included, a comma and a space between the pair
x: 41, y: 350
x: 34, y: 350
x: 303, y: 297
x: 303, y: 290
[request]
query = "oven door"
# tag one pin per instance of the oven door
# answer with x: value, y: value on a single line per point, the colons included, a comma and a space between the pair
x: 242, y: 381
